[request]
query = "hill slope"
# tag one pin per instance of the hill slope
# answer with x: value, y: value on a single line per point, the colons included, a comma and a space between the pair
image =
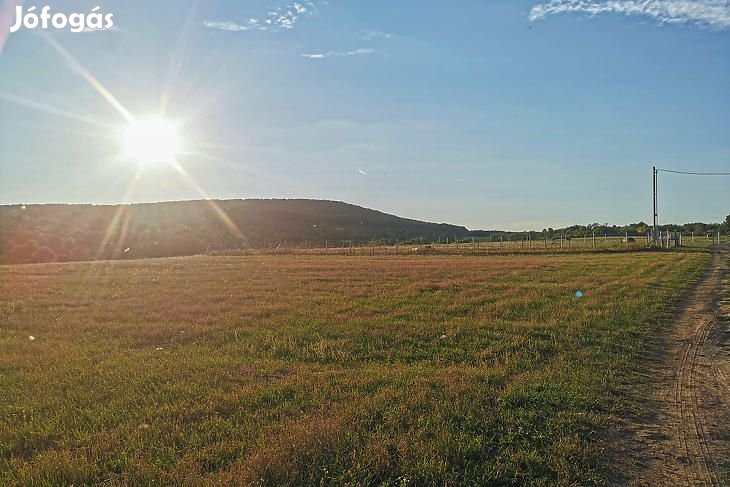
x: 47, y: 233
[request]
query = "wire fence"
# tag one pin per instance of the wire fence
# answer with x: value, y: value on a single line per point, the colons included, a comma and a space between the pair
x: 482, y: 247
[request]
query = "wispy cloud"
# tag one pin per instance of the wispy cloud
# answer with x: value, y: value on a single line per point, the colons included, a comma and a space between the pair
x: 229, y: 26
x: 708, y: 13
x: 374, y: 35
x: 277, y: 19
x: 323, y: 55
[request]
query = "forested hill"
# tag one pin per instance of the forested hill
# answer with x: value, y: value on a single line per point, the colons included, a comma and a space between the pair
x: 48, y: 233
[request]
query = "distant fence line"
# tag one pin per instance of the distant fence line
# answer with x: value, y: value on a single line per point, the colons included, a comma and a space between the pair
x: 472, y: 246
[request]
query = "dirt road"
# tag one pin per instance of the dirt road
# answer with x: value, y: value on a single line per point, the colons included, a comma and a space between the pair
x: 687, y: 442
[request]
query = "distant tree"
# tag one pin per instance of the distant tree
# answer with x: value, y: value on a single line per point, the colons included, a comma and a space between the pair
x: 698, y: 228
x: 727, y: 223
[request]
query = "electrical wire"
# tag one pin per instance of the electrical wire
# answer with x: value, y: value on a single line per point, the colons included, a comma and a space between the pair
x: 695, y: 173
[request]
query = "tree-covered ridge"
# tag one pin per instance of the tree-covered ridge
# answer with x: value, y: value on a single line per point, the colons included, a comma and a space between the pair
x: 47, y: 233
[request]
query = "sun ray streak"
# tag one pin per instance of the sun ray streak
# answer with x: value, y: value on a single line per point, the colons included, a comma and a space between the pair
x: 178, y: 54
x: 43, y: 107
x: 120, y: 213
x: 84, y: 73
x: 220, y: 212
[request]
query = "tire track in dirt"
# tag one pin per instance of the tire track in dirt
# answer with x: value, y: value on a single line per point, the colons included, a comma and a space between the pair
x: 688, y: 443
x: 698, y: 464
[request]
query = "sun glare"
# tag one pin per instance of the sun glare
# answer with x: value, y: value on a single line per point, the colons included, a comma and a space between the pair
x: 152, y: 141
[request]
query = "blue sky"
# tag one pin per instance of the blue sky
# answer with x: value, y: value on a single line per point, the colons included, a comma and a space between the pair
x: 509, y: 114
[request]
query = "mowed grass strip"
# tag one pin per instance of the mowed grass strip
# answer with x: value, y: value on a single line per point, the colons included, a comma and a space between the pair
x: 326, y: 370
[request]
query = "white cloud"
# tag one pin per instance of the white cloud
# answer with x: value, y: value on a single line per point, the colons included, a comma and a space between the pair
x: 229, y: 26
x: 711, y: 13
x: 301, y: 9
x: 356, y: 52
x: 278, y: 19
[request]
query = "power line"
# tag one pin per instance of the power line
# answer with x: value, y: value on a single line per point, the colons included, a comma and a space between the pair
x: 696, y: 173
x: 655, y: 173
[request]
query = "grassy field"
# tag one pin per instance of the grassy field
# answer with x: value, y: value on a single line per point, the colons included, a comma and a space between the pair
x: 317, y: 370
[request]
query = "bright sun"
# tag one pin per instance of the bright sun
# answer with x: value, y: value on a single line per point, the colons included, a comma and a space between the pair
x: 152, y: 141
